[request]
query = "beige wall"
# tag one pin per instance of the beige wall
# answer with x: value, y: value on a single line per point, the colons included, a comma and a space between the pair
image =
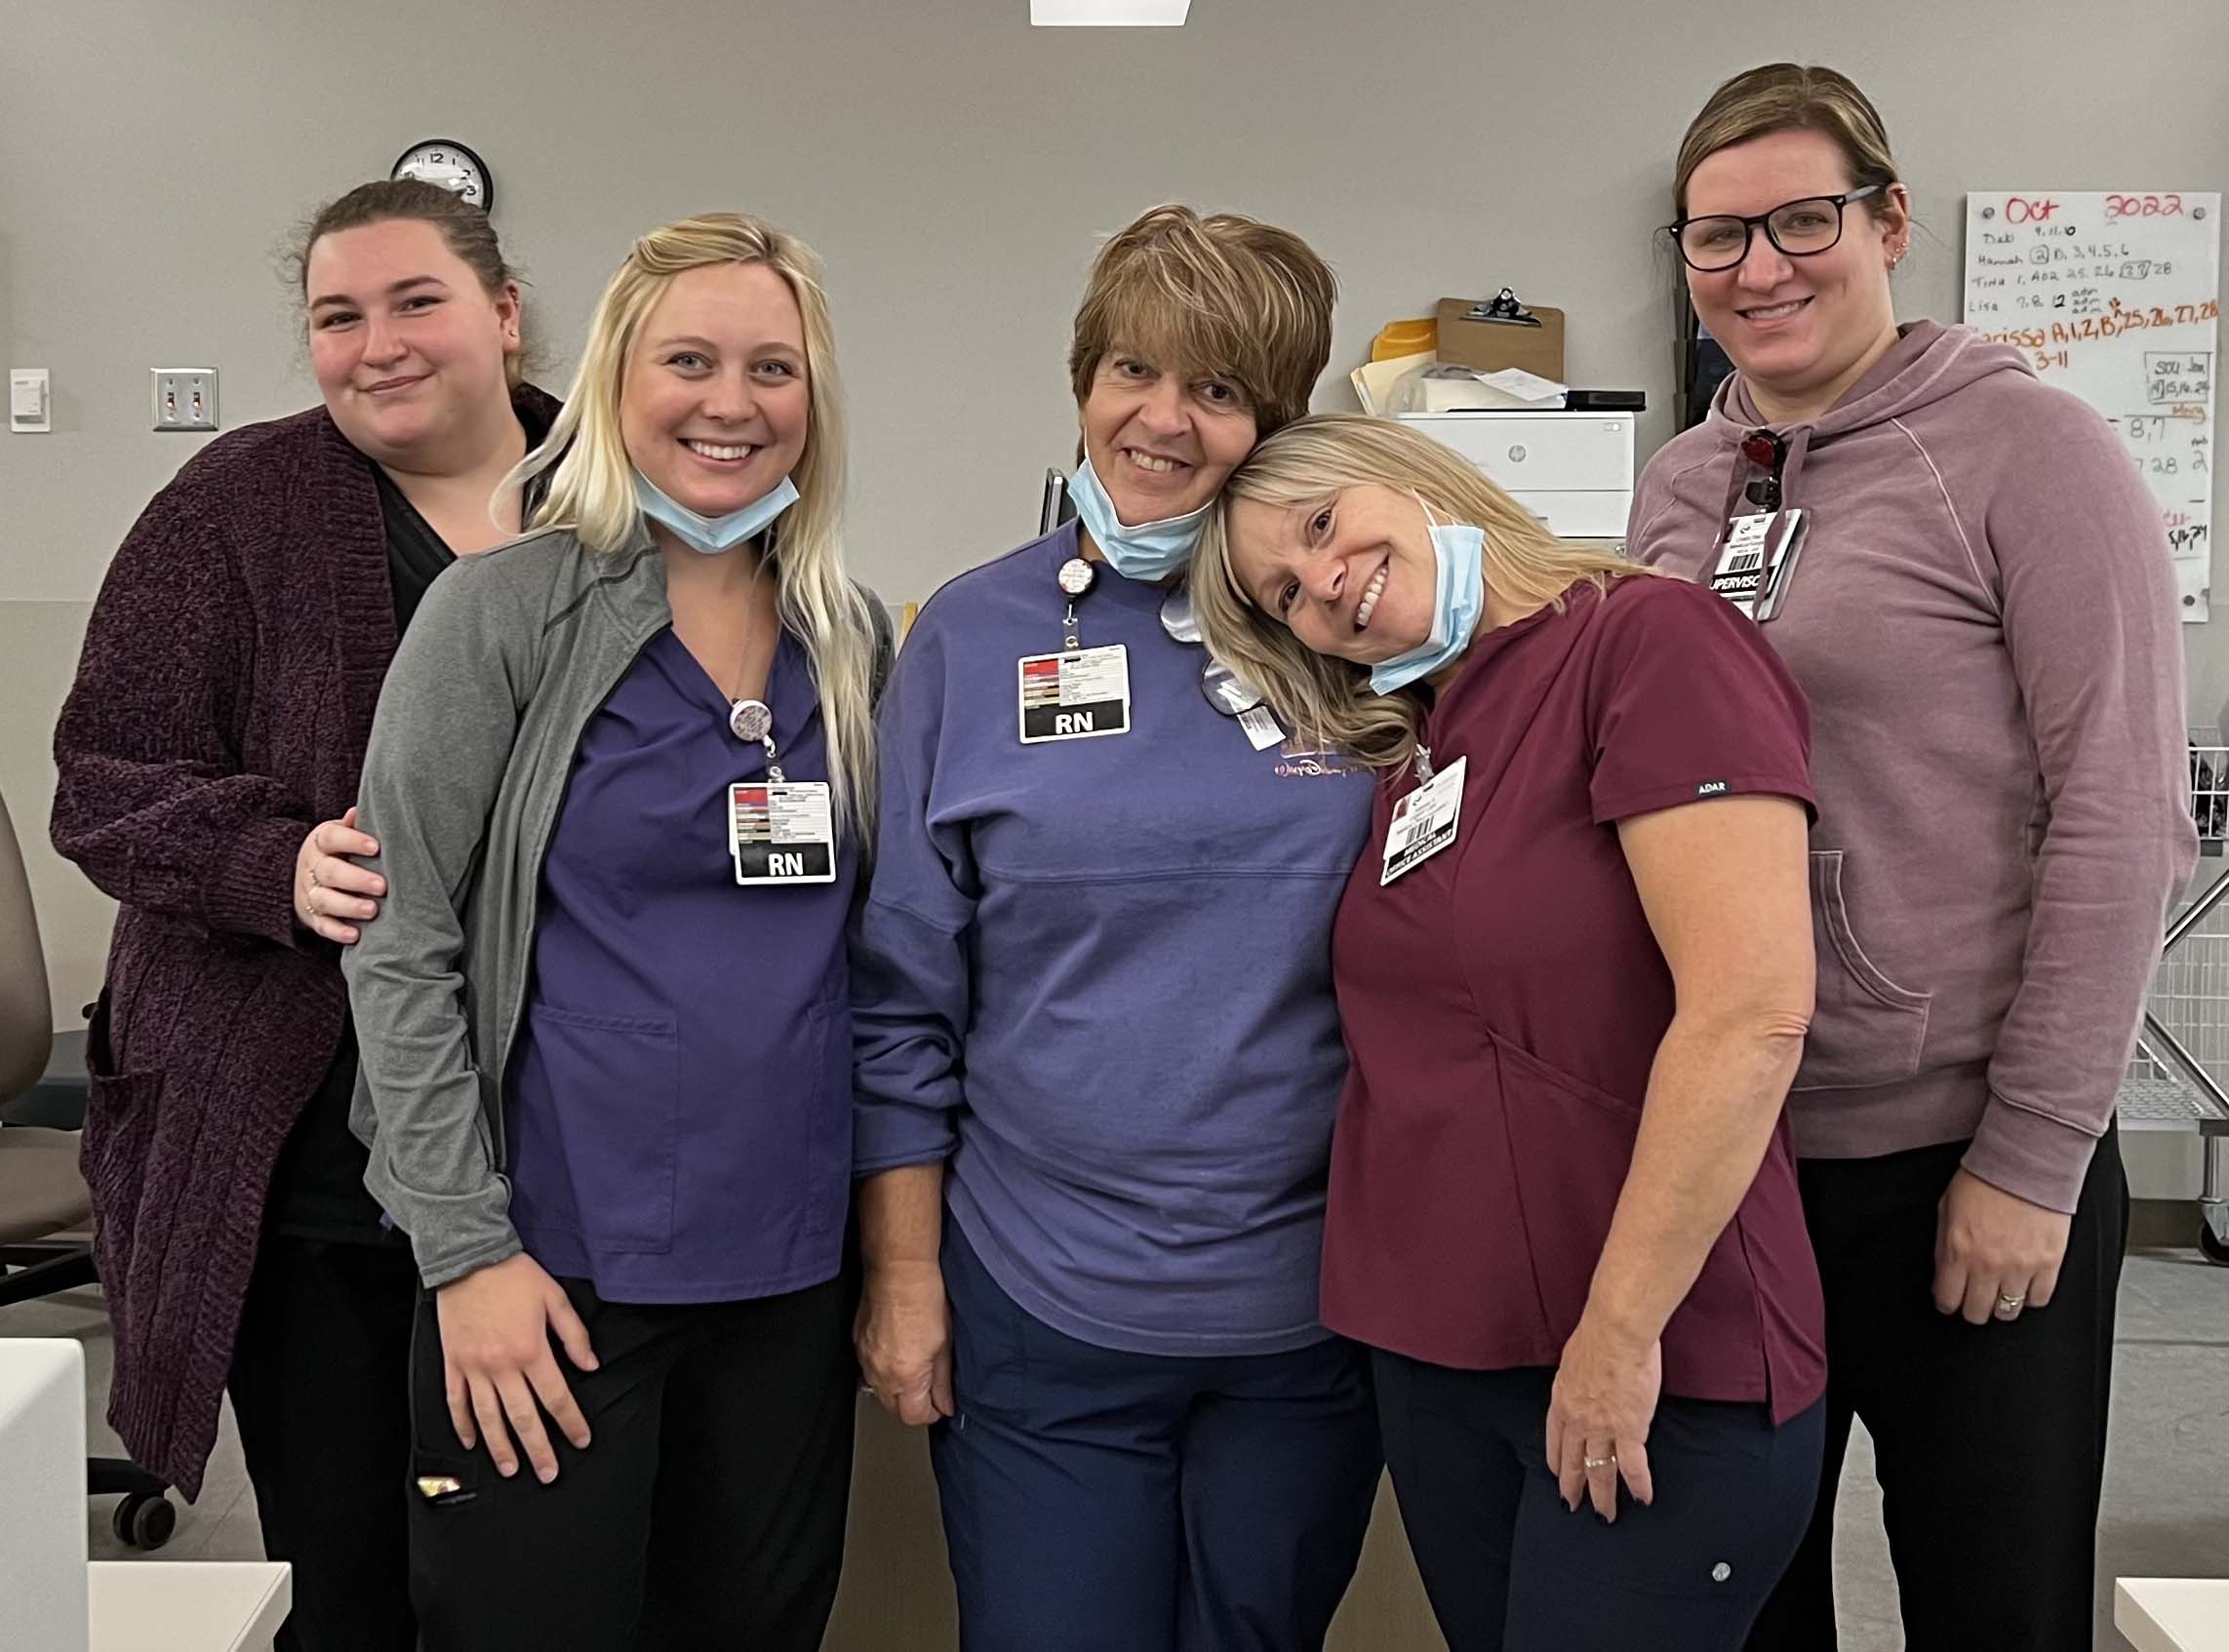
x: 955, y: 168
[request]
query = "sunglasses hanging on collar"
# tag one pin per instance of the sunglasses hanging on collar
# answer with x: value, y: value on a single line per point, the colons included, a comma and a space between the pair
x: 1755, y: 562
x: 1767, y: 450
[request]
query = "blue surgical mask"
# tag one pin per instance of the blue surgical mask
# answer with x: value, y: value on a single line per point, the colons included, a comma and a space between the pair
x: 1459, y: 598
x: 1150, y: 552
x: 710, y: 535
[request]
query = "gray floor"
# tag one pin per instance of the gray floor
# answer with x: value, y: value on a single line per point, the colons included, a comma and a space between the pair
x: 2166, y: 1495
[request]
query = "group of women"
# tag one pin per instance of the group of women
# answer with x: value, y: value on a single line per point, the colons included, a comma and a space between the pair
x: 1292, y: 972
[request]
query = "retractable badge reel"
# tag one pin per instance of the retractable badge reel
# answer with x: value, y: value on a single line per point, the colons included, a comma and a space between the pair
x: 1756, y: 561
x: 1078, y: 694
x: 780, y: 830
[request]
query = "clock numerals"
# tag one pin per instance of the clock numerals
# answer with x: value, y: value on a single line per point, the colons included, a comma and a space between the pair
x: 453, y: 167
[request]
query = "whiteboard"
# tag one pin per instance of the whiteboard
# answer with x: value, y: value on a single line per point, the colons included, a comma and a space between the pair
x: 2118, y: 299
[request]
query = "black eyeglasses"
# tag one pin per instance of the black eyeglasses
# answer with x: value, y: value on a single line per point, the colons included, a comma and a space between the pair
x: 1801, y: 229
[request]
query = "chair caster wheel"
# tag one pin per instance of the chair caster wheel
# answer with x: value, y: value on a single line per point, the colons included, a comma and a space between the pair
x: 145, y: 1522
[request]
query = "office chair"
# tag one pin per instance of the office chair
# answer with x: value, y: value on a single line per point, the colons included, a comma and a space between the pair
x: 42, y: 1196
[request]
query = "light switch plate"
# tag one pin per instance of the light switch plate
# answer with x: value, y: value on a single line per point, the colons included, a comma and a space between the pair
x: 185, y: 398
x: 30, y: 400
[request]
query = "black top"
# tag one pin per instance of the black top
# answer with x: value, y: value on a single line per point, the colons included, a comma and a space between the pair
x: 317, y: 1188
x: 415, y: 553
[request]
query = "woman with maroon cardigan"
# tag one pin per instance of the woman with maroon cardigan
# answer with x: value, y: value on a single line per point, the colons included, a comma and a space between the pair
x: 208, y: 759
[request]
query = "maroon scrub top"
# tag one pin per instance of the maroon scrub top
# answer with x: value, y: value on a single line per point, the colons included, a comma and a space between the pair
x: 1503, y: 1002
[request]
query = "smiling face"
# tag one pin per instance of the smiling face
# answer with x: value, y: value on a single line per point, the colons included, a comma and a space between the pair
x: 1801, y: 330
x: 716, y: 405
x: 1161, y: 440
x: 408, y: 347
x: 1353, y: 575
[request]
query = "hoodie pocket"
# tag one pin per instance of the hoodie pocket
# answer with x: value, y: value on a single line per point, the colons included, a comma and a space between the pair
x: 1865, y: 1028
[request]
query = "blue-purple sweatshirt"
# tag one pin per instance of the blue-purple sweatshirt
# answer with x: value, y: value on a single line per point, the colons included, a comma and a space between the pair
x: 1095, y: 977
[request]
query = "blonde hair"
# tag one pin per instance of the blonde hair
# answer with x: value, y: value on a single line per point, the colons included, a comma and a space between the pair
x: 1789, y: 96
x: 1325, y: 700
x: 592, y: 480
x: 1225, y: 296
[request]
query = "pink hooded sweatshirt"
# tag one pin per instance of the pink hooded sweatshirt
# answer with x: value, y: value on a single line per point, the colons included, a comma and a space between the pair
x: 1983, y: 616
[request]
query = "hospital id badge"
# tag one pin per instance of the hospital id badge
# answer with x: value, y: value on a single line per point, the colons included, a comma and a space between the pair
x: 1424, y: 822
x: 1757, y: 561
x: 781, y: 832
x: 1078, y: 695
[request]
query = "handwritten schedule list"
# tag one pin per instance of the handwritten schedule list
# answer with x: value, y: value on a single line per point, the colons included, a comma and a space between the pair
x: 2117, y: 297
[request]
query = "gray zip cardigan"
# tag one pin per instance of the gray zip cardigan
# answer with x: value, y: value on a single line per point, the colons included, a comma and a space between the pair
x: 509, y: 656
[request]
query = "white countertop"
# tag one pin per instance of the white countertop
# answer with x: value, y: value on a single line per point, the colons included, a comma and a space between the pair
x: 2173, y: 1614
x: 187, y: 1605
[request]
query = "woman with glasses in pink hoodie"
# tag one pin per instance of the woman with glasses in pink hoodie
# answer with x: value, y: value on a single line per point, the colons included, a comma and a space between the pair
x: 1983, y: 617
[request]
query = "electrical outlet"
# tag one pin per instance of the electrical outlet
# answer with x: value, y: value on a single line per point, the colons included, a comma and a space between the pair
x: 185, y: 398
x: 30, y: 407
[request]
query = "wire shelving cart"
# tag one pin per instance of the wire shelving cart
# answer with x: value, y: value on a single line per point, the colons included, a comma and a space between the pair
x: 2176, y: 1080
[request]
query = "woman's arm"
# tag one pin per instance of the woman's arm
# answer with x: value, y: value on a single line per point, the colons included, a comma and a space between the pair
x: 2094, y: 641
x: 152, y: 799
x: 911, y: 988
x: 448, y: 718
x: 1725, y: 888
x: 440, y: 743
x: 2095, y: 638
x: 904, y: 1329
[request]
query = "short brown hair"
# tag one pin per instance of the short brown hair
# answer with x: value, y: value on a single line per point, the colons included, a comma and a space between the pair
x: 465, y: 229
x: 1226, y: 295
x: 1782, y: 98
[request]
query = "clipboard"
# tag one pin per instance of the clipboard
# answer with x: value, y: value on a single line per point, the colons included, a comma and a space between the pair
x: 1472, y: 336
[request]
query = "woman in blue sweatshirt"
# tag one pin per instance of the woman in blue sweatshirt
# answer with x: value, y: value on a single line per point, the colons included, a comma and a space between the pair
x: 1097, y: 1055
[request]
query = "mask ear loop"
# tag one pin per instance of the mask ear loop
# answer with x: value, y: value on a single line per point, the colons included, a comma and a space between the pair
x: 1432, y: 522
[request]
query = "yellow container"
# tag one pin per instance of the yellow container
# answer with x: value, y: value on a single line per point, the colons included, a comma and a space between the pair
x: 1405, y: 339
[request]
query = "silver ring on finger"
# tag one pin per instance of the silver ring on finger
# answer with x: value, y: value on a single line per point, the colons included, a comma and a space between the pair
x: 1609, y: 1461
x: 2008, y: 1306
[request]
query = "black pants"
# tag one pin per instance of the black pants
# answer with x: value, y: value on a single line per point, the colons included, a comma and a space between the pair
x: 1989, y: 1439
x: 319, y: 1386
x: 708, y: 1511
x: 1510, y: 1569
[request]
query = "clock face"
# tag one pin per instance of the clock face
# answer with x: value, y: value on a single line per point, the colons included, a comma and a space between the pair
x: 454, y: 168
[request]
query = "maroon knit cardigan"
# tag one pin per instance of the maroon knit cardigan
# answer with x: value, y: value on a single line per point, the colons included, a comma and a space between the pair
x: 222, y: 706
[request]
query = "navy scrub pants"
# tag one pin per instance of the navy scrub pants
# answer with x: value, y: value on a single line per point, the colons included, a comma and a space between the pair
x: 1097, y: 1501
x: 1510, y: 1569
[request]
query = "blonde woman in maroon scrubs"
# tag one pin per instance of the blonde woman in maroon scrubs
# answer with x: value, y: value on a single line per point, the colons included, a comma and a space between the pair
x: 1574, y: 968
